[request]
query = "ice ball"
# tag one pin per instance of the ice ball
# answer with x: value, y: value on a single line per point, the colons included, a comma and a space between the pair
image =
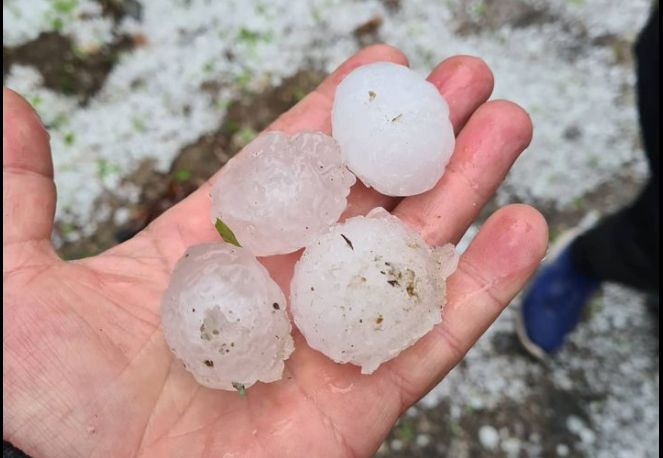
x: 368, y: 289
x: 225, y: 318
x: 281, y: 192
x: 393, y: 128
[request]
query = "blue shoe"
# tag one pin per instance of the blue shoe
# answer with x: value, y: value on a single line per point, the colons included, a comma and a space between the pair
x: 553, y: 304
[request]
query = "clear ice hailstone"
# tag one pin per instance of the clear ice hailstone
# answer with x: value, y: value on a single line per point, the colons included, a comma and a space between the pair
x: 368, y: 289
x: 393, y: 128
x: 225, y: 318
x: 281, y: 192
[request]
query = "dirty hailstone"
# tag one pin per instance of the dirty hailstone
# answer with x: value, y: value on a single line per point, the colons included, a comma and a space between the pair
x: 225, y: 318
x: 281, y: 192
x: 393, y: 128
x: 368, y: 289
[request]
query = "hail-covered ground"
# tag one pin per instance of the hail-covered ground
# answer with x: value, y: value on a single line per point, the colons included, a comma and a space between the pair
x: 164, y: 75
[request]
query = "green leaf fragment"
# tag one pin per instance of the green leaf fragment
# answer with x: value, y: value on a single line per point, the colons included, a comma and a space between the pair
x: 225, y: 233
x: 241, y: 389
x: 248, y: 36
x: 65, y: 6
x: 246, y: 134
x: 208, y: 67
x: 182, y: 175
x: 35, y: 100
x: 57, y: 24
x: 138, y: 124
x: 298, y: 93
x: 243, y: 79
x: 106, y: 168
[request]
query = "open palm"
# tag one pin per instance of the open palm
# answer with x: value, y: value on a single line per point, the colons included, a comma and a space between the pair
x: 86, y: 371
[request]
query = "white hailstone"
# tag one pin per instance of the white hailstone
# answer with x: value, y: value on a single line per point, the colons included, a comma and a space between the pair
x: 225, y: 318
x: 489, y: 437
x: 368, y: 289
x: 393, y: 128
x: 281, y: 192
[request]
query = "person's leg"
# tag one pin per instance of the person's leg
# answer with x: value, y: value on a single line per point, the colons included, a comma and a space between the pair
x: 647, y: 54
x: 622, y: 248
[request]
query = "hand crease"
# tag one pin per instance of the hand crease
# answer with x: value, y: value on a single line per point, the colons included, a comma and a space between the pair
x: 471, y: 184
x: 21, y: 170
x: 336, y: 432
x: 484, y: 285
x: 179, y: 415
x: 405, y: 394
x: 156, y: 401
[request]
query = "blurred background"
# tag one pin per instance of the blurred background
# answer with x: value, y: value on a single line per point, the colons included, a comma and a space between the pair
x: 145, y: 99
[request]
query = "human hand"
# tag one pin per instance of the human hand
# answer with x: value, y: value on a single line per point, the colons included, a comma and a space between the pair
x: 86, y: 371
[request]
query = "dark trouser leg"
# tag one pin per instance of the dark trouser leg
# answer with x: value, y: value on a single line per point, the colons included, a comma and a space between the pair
x: 624, y: 246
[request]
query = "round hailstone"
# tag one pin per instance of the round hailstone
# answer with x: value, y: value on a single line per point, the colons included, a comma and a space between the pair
x: 393, y: 128
x: 368, y: 289
x: 225, y: 318
x: 281, y: 192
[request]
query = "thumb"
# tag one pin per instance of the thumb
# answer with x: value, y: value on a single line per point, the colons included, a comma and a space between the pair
x: 28, y: 191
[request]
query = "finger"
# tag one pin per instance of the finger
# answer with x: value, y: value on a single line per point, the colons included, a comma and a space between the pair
x: 490, y: 142
x: 503, y: 255
x: 466, y: 82
x: 496, y: 265
x: 28, y: 191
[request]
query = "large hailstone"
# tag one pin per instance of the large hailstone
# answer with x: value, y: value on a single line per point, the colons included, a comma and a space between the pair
x: 393, y: 128
x: 225, y: 318
x: 368, y: 289
x: 281, y: 192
